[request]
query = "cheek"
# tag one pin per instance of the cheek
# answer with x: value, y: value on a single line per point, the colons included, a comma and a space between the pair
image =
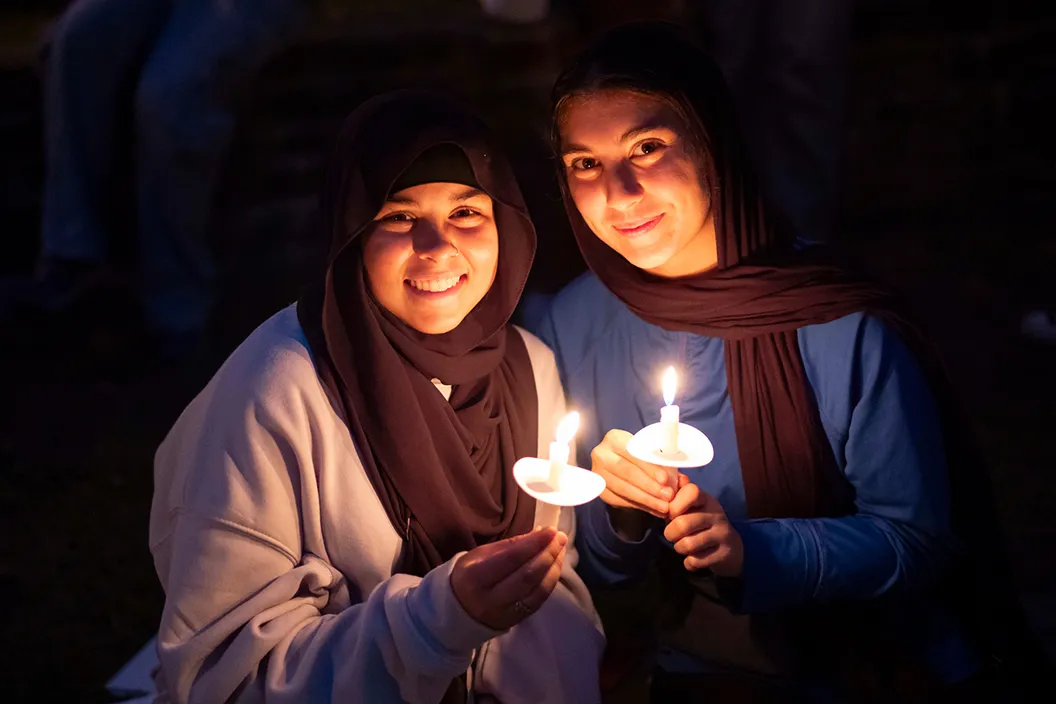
x: 679, y: 186
x: 589, y: 199
x: 488, y: 257
x: 383, y: 261
x: 481, y: 250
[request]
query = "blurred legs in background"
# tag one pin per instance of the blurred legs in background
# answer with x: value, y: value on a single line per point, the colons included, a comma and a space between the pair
x: 163, y: 79
x: 786, y: 64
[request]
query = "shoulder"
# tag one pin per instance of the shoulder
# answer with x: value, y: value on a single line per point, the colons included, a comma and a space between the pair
x: 857, y: 364
x: 241, y: 448
x: 272, y: 363
x: 859, y: 344
x: 544, y: 365
x: 538, y: 351
x: 267, y: 387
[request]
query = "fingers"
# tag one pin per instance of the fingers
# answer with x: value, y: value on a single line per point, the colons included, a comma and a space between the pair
x: 495, y: 562
x: 633, y: 497
x: 707, y: 560
x: 699, y: 543
x: 532, y: 574
x: 690, y: 523
x: 647, y: 477
x: 630, y: 483
x: 650, y: 477
x: 535, y: 598
x: 690, y: 497
x: 686, y: 497
x: 617, y: 438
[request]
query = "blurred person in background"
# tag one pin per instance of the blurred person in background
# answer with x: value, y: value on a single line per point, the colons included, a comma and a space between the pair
x: 161, y: 78
x: 786, y: 64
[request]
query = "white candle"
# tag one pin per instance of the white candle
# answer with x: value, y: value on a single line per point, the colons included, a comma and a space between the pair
x: 669, y: 415
x: 559, y: 449
x: 547, y: 515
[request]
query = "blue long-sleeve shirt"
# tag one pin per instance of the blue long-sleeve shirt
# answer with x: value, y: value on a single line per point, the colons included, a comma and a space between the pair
x: 878, y: 415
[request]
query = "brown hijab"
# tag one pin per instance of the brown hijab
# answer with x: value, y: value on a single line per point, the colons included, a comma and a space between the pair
x: 442, y: 469
x: 759, y: 295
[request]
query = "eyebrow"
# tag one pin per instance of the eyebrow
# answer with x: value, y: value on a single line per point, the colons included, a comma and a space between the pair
x: 465, y: 195
x: 628, y: 135
x: 470, y: 193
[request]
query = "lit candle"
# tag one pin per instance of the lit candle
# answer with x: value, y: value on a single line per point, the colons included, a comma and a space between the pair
x: 559, y: 449
x: 548, y: 514
x: 669, y: 415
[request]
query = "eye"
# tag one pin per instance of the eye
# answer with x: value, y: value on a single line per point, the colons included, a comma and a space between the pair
x: 400, y: 222
x: 648, y: 147
x: 467, y: 217
x: 584, y: 163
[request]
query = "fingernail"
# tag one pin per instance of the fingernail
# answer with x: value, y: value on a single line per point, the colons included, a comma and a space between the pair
x: 562, y: 539
x: 661, y: 477
x: 668, y: 492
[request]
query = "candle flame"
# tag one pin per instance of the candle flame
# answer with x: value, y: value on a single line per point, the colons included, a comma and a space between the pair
x: 568, y: 427
x: 670, y: 380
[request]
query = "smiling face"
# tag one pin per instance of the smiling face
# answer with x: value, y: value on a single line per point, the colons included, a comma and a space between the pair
x: 634, y: 176
x: 432, y: 253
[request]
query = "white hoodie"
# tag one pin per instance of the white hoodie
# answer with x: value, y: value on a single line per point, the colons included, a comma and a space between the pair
x: 276, y: 558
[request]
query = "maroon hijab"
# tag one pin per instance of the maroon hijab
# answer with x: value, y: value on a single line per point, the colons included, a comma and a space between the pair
x: 759, y: 295
x: 442, y: 469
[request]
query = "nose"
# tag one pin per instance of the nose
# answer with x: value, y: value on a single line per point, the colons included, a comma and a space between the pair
x: 431, y: 242
x: 623, y: 190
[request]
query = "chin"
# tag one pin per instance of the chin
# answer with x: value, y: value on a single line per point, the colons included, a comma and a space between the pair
x: 435, y: 324
x: 647, y: 260
x: 435, y: 327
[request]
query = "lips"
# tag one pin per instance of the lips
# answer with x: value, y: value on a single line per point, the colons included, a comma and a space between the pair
x: 638, y: 228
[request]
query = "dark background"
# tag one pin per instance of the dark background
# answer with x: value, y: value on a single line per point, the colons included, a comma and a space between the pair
x: 951, y: 168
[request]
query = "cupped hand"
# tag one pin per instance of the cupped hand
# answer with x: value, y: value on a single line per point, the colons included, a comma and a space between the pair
x: 505, y: 582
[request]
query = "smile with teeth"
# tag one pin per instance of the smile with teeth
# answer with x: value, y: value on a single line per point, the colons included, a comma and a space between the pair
x: 435, y: 285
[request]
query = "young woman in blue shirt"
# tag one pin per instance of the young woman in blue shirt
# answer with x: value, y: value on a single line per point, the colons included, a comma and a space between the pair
x: 839, y: 544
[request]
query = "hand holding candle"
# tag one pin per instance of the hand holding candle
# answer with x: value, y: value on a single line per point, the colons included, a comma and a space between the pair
x: 701, y: 532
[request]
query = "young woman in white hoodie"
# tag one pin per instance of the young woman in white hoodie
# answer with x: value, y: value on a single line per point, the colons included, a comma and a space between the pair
x: 334, y: 516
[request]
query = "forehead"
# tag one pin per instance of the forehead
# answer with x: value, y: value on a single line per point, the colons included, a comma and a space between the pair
x: 606, y: 116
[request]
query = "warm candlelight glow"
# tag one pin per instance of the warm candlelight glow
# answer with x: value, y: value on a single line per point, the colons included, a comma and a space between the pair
x: 559, y: 448
x: 567, y: 428
x: 670, y: 381
x: 553, y: 482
